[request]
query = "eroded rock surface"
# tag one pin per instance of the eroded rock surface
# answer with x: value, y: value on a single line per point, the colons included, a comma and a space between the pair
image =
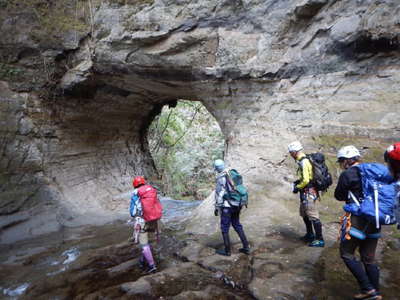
x: 100, y: 263
x: 81, y: 81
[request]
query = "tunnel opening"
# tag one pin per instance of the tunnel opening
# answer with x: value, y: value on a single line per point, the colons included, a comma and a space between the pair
x: 183, y: 141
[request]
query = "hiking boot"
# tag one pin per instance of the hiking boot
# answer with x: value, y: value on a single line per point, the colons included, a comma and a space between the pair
x: 245, y: 250
x: 151, y: 269
x: 141, y: 264
x: 370, y: 295
x: 308, y: 237
x: 223, y: 252
x: 317, y: 243
x: 227, y: 245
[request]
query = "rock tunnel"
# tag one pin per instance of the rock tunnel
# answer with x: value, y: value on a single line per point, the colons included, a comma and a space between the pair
x: 269, y: 72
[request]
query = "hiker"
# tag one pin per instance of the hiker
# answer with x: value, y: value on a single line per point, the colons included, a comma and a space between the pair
x: 364, y: 234
x: 146, y: 208
x: 392, y: 158
x: 309, y: 196
x: 227, y: 210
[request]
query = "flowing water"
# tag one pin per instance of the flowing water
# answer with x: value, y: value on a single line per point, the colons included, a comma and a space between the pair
x: 76, y: 262
x: 29, y: 263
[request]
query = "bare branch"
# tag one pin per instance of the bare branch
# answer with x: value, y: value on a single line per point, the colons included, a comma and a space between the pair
x: 188, y: 128
x: 160, y: 136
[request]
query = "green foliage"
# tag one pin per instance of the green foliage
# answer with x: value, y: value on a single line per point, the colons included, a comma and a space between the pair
x: 53, y: 18
x: 9, y: 72
x: 183, y: 142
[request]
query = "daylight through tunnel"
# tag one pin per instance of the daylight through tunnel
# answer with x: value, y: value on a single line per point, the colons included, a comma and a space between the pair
x: 184, y: 140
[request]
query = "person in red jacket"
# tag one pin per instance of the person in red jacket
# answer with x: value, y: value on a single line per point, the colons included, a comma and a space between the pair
x: 392, y: 158
x: 146, y: 208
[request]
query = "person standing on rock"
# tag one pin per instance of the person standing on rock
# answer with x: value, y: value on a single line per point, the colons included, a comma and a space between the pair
x: 229, y: 213
x: 392, y: 158
x: 309, y: 196
x: 363, y: 234
x: 146, y: 208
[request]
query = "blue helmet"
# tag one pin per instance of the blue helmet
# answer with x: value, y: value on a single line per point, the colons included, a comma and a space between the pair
x: 219, y: 165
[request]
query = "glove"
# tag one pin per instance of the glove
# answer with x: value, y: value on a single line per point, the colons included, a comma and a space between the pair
x: 216, y: 212
x: 295, y: 189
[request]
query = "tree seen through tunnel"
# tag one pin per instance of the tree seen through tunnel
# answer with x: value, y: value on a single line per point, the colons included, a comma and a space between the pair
x: 183, y: 142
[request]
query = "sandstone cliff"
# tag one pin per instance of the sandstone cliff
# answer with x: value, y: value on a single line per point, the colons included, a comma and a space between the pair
x: 82, y: 80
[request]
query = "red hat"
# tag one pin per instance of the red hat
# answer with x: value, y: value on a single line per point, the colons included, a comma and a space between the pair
x: 138, y: 180
x: 393, y: 152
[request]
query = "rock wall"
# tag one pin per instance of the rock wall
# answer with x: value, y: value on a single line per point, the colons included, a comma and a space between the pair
x: 82, y: 80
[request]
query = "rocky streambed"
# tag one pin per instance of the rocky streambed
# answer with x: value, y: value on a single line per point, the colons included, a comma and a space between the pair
x: 78, y: 261
x: 101, y: 263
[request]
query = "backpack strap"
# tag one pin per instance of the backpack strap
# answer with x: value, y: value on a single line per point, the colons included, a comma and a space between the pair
x: 304, y: 157
x: 354, y: 198
x: 300, y: 161
x: 376, y: 235
x: 230, y: 183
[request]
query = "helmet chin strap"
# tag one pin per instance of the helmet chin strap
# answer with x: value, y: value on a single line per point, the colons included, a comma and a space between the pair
x: 349, y: 163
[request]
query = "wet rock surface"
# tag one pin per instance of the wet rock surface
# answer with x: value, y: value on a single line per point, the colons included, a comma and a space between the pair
x: 89, y: 270
x: 101, y: 263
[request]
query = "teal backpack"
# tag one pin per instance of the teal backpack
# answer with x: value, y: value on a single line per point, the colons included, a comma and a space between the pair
x: 237, y: 193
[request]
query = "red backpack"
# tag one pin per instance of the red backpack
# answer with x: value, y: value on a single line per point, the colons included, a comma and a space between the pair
x: 151, y: 206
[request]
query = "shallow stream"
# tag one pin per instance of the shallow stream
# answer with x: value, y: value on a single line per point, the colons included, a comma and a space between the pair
x: 30, y: 263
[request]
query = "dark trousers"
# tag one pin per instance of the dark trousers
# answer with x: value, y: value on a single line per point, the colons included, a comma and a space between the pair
x: 230, y: 215
x: 366, y: 272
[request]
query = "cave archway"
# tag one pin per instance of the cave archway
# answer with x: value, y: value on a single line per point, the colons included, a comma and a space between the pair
x: 103, y: 136
x: 82, y: 149
x: 183, y: 140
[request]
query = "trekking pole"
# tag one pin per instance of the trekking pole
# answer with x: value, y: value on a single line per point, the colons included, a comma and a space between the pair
x: 376, y: 204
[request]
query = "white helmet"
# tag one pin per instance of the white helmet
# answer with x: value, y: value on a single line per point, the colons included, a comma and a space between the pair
x: 348, y: 152
x: 295, y: 147
x: 219, y: 165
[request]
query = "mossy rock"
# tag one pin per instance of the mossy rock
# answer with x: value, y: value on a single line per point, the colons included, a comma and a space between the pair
x: 50, y: 19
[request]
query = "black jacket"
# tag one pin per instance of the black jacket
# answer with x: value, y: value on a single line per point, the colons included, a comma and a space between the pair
x: 350, y: 180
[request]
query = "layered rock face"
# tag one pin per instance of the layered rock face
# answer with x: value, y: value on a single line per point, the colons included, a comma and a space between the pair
x: 81, y: 82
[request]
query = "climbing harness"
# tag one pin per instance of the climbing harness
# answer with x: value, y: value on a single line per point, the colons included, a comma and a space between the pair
x: 307, y: 195
x: 345, y: 226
